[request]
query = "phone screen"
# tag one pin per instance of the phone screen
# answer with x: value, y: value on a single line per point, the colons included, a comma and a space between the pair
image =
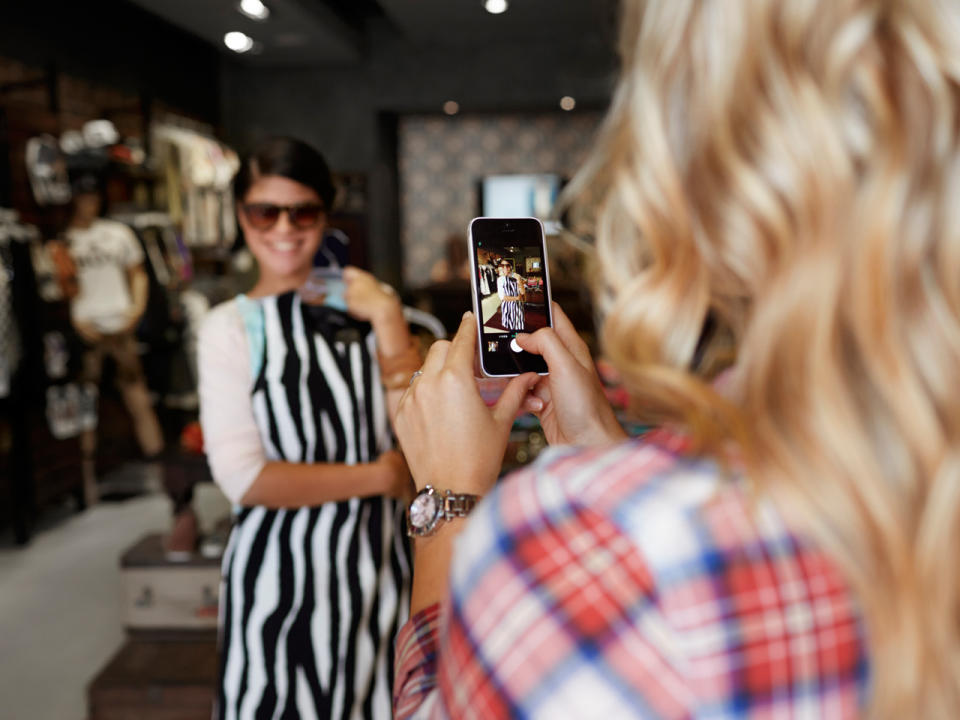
x: 511, y: 291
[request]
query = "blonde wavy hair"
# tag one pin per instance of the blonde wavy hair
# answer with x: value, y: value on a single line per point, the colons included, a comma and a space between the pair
x: 792, y: 169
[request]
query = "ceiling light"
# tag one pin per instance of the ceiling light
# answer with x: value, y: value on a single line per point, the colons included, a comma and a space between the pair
x: 254, y: 9
x: 238, y: 42
x: 495, y: 7
x: 567, y: 103
x: 451, y: 107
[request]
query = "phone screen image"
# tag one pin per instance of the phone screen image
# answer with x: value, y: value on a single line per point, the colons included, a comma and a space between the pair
x: 511, y: 291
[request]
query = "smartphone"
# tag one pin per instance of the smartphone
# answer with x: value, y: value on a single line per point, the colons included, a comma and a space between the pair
x: 511, y: 291
x: 325, y: 286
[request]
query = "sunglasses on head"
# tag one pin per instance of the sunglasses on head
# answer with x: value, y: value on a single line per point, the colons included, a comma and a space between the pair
x: 263, y: 216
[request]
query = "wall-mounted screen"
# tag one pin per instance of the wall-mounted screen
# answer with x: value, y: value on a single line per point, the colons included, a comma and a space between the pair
x: 521, y: 195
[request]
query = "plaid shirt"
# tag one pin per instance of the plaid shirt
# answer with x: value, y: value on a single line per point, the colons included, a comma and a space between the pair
x: 633, y: 582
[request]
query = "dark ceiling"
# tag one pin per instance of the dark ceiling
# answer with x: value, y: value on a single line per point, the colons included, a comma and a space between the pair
x: 334, y: 32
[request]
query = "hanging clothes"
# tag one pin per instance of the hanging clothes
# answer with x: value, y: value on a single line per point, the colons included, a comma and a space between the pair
x: 10, y: 351
x: 488, y: 280
x: 198, y: 171
x: 16, y: 291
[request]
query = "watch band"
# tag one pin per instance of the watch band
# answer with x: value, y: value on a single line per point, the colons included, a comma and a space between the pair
x: 458, y: 505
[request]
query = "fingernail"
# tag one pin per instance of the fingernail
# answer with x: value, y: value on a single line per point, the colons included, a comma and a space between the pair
x: 537, y: 404
x: 468, y: 313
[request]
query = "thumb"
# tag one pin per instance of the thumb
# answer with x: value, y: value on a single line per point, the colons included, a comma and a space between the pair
x: 546, y: 343
x: 512, y: 398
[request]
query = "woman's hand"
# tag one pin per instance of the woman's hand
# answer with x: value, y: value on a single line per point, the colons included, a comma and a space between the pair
x: 397, y: 481
x: 369, y: 299
x: 130, y: 324
x: 569, y: 402
x: 88, y: 332
x: 450, y: 438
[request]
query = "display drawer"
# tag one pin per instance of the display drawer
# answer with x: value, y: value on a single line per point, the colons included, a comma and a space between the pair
x: 151, y: 680
x: 159, y: 594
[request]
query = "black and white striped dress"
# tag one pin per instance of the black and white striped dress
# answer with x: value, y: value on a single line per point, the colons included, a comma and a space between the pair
x: 511, y: 311
x: 313, y: 597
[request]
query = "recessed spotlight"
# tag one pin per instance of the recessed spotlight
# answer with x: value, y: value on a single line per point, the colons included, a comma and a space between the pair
x: 567, y: 103
x: 451, y: 107
x: 495, y: 7
x: 254, y: 9
x: 238, y: 42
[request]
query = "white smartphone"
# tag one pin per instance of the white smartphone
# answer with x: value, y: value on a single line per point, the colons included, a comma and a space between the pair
x: 511, y: 291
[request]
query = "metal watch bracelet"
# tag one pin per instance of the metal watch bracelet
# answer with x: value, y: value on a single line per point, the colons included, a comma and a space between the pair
x: 431, y: 507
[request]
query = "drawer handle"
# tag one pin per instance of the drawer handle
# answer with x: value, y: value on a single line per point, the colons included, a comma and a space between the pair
x: 145, y: 599
x: 209, y: 596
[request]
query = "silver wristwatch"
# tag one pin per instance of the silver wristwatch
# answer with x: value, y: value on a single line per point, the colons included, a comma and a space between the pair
x: 431, y: 507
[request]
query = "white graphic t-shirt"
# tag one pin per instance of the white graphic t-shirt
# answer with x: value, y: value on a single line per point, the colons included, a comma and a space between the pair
x: 103, y: 253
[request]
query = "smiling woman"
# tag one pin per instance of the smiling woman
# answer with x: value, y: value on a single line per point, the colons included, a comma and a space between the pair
x: 295, y: 422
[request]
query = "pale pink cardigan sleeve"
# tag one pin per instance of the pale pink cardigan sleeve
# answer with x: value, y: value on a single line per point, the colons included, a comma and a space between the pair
x: 230, y: 435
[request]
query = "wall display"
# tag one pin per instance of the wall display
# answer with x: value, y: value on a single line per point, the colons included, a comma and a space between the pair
x: 443, y: 161
x: 47, y: 170
x: 41, y: 407
x: 197, y: 173
x: 521, y: 195
x: 16, y: 323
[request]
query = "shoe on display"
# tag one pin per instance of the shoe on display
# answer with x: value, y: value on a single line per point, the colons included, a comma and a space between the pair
x: 56, y: 356
x: 127, y: 153
x: 72, y: 142
x: 100, y: 133
x: 180, y: 543
x: 88, y: 406
x: 47, y: 171
x: 214, y: 543
x: 63, y: 411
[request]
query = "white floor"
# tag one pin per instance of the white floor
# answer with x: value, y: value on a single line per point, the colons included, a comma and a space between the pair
x: 489, y: 306
x: 60, y: 601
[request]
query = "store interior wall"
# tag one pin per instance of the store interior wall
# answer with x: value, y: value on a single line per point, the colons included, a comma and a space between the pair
x: 115, y: 44
x: 341, y: 110
x: 351, y: 112
x: 442, y: 161
x: 62, y: 65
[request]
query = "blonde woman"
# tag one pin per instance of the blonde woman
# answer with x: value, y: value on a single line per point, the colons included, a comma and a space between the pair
x: 784, y: 546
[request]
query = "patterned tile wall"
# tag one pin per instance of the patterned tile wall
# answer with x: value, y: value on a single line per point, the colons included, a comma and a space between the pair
x: 442, y: 160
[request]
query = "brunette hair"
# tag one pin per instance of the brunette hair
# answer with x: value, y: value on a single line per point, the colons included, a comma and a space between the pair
x: 793, y: 170
x: 290, y: 158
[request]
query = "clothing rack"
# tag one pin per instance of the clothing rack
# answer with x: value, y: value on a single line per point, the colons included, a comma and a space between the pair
x: 12, y: 229
x: 166, y: 261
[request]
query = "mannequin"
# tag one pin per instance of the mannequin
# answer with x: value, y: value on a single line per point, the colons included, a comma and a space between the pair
x: 110, y: 299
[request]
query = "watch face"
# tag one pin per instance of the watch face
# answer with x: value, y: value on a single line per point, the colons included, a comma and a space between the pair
x: 423, y: 510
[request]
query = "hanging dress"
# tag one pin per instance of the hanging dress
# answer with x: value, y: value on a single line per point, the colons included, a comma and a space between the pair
x: 511, y: 311
x: 313, y: 597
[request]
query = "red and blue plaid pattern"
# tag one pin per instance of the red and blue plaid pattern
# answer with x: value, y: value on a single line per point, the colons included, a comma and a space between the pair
x: 633, y: 582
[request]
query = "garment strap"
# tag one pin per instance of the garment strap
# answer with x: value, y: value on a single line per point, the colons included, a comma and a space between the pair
x: 251, y: 312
